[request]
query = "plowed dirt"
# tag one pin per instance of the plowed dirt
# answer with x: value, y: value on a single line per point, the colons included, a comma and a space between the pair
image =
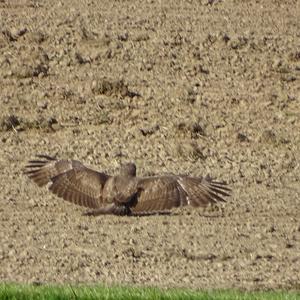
x: 190, y: 87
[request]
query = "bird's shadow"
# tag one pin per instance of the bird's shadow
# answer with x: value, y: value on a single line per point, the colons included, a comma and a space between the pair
x: 176, y: 212
x: 168, y: 213
x: 150, y: 214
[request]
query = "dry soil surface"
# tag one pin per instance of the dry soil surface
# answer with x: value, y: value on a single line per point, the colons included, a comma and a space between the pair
x: 195, y: 87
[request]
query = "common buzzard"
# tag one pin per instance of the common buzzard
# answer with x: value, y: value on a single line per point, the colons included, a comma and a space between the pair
x: 124, y: 194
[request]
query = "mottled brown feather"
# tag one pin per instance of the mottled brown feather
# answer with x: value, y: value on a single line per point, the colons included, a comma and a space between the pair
x: 120, y: 189
x: 158, y: 193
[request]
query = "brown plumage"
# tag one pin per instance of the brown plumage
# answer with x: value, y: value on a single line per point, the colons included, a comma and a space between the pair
x: 125, y: 193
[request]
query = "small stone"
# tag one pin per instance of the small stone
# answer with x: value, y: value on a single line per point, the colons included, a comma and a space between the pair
x: 242, y: 137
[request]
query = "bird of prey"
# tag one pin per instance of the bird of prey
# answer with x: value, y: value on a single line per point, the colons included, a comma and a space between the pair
x: 124, y: 194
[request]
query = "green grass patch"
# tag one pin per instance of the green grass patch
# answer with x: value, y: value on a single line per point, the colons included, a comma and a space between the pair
x: 49, y: 292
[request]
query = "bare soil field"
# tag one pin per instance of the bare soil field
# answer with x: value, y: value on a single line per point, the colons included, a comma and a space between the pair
x: 194, y: 87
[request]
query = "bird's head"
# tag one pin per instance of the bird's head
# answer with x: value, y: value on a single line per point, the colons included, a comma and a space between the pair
x: 128, y: 169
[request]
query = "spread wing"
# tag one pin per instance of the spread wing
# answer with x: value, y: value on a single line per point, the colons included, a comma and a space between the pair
x: 165, y: 192
x: 68, y: 179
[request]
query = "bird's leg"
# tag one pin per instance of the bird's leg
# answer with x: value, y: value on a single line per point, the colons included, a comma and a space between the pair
x: 112, y: 209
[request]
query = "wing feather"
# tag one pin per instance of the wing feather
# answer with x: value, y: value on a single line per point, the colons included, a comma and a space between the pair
x: 203, y: 190
x: 68, y: 179
x: 157, y: 194
x: 169, y: 191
